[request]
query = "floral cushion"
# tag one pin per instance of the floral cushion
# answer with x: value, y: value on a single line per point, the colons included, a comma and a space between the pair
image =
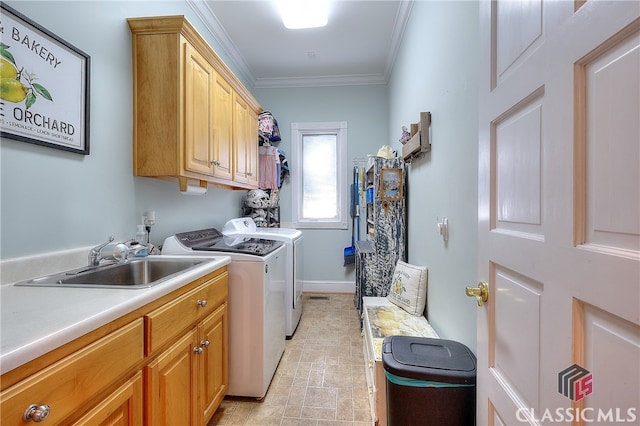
x: 386, y: 319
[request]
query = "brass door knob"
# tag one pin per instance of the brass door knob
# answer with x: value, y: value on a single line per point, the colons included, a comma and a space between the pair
x: 481, y: 293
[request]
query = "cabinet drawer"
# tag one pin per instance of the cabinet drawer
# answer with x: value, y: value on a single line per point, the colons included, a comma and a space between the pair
x: 70, y: 384
x: 167, y: 322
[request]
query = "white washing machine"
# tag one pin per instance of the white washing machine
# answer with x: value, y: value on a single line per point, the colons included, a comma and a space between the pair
x: 256, y: 303
x: 292, y: 238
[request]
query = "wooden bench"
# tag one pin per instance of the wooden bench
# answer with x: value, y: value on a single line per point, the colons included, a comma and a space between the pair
x: 381, y: 318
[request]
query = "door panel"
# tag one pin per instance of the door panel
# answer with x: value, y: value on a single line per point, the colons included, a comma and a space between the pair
x: 521, y: 18
x: 223, y: 125
x: 518, y: 150
x: 517, y: 313
x: 559, y: 212
x: 610, y: 146
x: 199, y: 80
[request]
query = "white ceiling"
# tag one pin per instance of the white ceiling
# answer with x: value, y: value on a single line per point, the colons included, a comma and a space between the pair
x: 358, y: 46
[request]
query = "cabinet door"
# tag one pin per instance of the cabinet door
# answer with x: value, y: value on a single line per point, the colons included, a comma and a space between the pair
x: 122, y: 408
x: 68, y: 386
x: 222, y: 130
x: 171, y: 378
x: 251, y: 130
x: 200, y: 80
x: 245, y: 144
x: 213, y: 362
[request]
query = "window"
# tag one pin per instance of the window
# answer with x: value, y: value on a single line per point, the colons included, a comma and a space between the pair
x: 319, y: 175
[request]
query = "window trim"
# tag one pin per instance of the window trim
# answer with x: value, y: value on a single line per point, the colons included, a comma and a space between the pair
x: 298, y: 130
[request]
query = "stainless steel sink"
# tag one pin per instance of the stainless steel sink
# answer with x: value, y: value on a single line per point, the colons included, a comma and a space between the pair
x: 134, y: 274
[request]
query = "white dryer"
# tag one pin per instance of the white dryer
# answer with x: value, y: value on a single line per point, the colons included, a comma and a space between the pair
x: 292, y: 238
x: 256, y: 303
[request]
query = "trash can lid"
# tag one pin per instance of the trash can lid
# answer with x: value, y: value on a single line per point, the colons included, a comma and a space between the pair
x: 423, y: 358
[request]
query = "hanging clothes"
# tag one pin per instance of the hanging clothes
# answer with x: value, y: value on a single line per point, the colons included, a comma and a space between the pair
x: 283, y: 168
x: 269, y: 161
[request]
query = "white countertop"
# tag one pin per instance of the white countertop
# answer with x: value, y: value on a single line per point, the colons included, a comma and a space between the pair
x: 36, y: 320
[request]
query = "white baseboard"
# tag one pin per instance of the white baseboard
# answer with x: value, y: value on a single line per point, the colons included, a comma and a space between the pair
x: 329, y: 287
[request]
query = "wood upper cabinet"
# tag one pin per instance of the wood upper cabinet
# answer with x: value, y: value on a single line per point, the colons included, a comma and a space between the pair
x: 245, y: 135
x: 185, y: 101
x: 223, y: 130
x: 199, y: 85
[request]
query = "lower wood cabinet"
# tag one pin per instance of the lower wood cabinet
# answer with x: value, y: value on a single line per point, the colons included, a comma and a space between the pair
x: 70, y: 385
x: 213, y: 377
x: 163, y: 364
x: 187, y: 381
x: 123, y: 407
x: 170, y: 379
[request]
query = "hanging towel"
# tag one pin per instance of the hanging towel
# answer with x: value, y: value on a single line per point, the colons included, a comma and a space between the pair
x: 268, y: 165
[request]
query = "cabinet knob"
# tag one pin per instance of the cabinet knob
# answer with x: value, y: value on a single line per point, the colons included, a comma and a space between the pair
x: 37, y: 413
x: 205, y: 343
x: 201, y: 303
x: 197, y: 350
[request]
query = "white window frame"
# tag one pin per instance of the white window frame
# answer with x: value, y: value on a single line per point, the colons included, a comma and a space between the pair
x: 298, y: 131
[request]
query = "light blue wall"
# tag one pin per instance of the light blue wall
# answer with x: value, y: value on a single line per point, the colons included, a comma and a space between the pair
x: 365, y: 109
x: 53, y: 200
x: 436, y: 71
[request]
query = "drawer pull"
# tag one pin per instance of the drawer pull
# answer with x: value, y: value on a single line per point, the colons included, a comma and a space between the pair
x: 37, y: 413
x: 197, y: 350
x: 201, y: 303
x: 370, y: 363
x: 370, y: 389
x: 204, y: 343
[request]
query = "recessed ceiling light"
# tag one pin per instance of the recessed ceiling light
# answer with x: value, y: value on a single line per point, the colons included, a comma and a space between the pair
x: 299, y: 14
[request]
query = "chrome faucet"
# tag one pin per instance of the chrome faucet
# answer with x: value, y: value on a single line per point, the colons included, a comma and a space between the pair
x: 95, y: 253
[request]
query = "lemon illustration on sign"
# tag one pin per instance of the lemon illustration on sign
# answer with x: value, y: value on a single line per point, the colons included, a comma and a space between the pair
x: 7, y: 69
x: 396, y: 287
x: 16, y: 83
x: 12, y: 90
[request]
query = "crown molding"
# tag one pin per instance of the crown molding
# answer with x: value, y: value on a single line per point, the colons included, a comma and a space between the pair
x: 210, y: 21
x: 400, y: 24
x: 323, y: 81
x: 216, y: 29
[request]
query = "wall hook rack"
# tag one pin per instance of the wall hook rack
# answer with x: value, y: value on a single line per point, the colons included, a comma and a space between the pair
x: 420, y: 141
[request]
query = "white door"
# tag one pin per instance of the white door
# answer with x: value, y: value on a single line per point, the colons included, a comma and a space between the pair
x: 559, y: 212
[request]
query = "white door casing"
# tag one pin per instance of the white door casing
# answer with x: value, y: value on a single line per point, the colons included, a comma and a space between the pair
x: 559, y: 212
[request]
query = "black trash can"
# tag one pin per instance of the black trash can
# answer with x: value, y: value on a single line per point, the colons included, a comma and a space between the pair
x: 430, y: 382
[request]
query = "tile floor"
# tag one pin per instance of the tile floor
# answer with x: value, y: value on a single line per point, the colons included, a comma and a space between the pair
x: 320, y: 379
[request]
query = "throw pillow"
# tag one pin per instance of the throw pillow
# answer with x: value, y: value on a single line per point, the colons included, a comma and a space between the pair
x: 409, y: 288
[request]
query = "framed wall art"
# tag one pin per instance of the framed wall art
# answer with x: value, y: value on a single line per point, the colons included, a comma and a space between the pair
x: 391, y: 184
x: 44, y: 86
